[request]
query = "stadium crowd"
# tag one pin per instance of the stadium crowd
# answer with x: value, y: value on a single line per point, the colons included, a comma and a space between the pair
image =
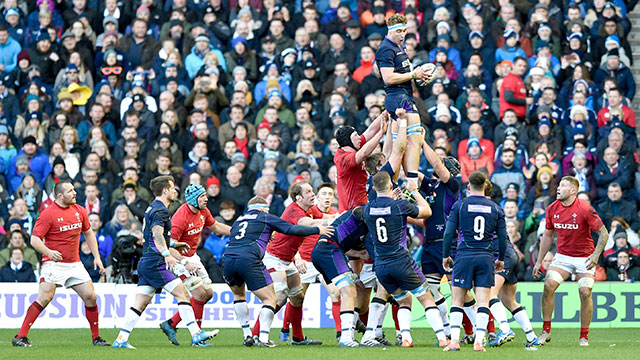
x: 244, y: 98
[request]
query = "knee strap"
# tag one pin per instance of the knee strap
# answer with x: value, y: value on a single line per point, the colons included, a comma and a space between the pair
x: 420, y: 290
x: 145, y: 290
x: 294, y: 292
x: 586, y: 282
x: 555, y: 276
x: 279, y: 286
x: 403, y: 295
x: 413, y: 129
x: 192, y: 283
x: 344, y: 280
x: 206, y: 283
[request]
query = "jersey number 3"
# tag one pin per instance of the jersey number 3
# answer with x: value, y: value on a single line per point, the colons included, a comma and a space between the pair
x: 478, y: 227
x: 242, y: 229
x: 381, y: 230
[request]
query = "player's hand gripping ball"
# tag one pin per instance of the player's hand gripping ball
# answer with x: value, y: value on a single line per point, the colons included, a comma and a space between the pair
x: 430, y: 74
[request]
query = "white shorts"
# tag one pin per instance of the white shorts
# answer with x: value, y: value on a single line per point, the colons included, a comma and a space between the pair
x: 312, y: 275
x: 64, y: 274
x: 368, y: 276
x: 186, y: 277
x: 572, y: 264
x: 275, y: 264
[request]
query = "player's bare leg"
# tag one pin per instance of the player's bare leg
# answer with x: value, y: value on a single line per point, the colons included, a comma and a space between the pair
x: 268, y: 298
x: 346, y: 285
x: 364, y: 295
x: 46, y: 291
x: 498, y: 310
x: 201, y: 293
x: 508, y: 298
x: 483, y: 294
x: 585, y: 286
x: 434, y: 280
x: 377, y: 310
x: 404, y: 316
x: 279, y: 279
x: 456, y: 313
x: 412, y: 156
x: 555, y: 276
x: 88, y: 295
x: 334, y: 294
x: 431, y: 313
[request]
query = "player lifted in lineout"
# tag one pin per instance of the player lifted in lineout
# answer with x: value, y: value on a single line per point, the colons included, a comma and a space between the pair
x: 243, y: 268
x: 476, y: 219
x: 186, y: 227
x: 397, y: 74
x: 56, y: 235
x: 154, y: 268
x: 573, y: 220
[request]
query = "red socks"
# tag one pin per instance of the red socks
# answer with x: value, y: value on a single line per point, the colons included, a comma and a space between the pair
x: 32, y: 314
x: 92, y: 317
x: 394, y: 314
x: 335, y: 311
x: 546, y: 326
x: 584, y: 333
x: 198, y: 310
x: 468, y: 326
x: 295, y: 317
x: 491, y: 326
x: 286, y: 321
x: 175, y: 320
x: 364, y: 317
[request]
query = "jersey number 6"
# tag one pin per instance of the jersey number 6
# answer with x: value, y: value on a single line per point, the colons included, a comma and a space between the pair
x: 478, y: 227
x: 381, y: 230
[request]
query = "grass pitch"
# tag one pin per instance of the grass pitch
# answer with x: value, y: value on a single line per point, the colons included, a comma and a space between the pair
x: 65, y: 344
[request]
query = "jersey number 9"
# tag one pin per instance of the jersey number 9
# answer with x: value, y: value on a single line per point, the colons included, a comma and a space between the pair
x: 478, y: 227
x: 242, y: 229
x: 381, y: 230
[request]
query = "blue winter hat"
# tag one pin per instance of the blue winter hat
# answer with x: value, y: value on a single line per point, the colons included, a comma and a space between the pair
x: 11, y: 11
x: 32, y: 97
x: 43, y: 36
x: 238, y: 39
x: 192, y: 193
x: 509, y: 33
x: 473, y: 141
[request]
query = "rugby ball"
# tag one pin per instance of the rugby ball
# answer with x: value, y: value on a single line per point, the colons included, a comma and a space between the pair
x: 429, y: 69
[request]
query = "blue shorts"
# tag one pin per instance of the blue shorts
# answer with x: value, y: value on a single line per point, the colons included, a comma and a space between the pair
x: 329, y: 260
x: 398, y: 100
x: 238, y: 271
x: 510, y: 273
x: 401, y: 273
x: 432, y: 258
x: 475, y: 269
x: 153, y: 272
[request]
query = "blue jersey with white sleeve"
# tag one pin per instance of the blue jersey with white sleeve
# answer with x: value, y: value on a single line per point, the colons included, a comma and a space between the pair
x: 156, y: 214
x: 386, y: 219
x: 251, y: 233
x: 477, y: 219
x: 390, y: 55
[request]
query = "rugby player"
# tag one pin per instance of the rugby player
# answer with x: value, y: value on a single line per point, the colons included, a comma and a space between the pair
x: 56, y: 235
x: 573, y: 220
x: 386, y: 219
x: 397, y: 74
x: 186, y: 227
x: 329, y: 257
x: 476, y: 219
x: 154, y: 268
x: 279, y: 259
x: 506, y: 284
x: 243, y: 268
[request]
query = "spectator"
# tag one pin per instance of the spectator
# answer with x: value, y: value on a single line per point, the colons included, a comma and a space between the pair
x: 632, y: 237
x: 616, y: 69
x: 474, y: 159
x: 625, y: 270
x: 614, y: 205
x: 508, y: 174
x: 18, y: 240
x: 38, y: 163
x: 513, y: 94
x: 10, y: 49
x: 16, y: 269
x: 87, y: 260
x: 612, y: 169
